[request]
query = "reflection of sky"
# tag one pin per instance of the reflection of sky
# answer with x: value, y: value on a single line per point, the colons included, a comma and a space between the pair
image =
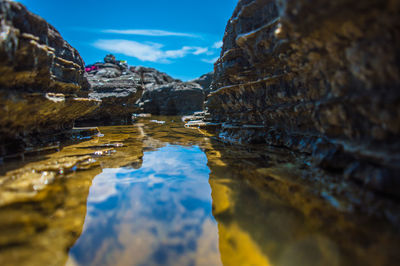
x: 158, y: 214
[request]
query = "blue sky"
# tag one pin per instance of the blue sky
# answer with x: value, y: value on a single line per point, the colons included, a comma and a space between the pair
x: 179, y: 37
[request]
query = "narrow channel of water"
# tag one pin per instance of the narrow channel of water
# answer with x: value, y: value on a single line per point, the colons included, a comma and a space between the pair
x: 159, y: 213
x: 156, y: 193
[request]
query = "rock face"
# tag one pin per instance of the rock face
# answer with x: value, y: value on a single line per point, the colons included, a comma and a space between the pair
x: 167, y: 96
x: 205, y: 82
x: 173, y: 98
x: 33, y: 54
x: 117, y: 88
x: 42, y: 80
x: 126, y: 90
x: 320, y: 77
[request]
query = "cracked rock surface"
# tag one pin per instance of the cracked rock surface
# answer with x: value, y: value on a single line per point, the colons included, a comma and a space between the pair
x: 302, y: 75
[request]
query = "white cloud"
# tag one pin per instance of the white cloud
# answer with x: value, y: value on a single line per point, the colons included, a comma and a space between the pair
x: 146, y: 32
x: 200, y: 50
x: 218, y: 45
x: 210, y: 61
x: 151, y: 52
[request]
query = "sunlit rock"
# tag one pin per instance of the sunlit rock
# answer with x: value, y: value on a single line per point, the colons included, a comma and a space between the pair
x: 42, y: 84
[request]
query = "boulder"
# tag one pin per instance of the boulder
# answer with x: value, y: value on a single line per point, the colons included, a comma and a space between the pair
x: 124, y: 91
x: 118, y: 89
x: 110, y: 58
x: 43, y: 88
x: 108, y: 73
x: 205, y: 82
x: 151, y: 76
x: 34, y: 56
x: 319, y: 77
x: 118, y: 92
x: 173, y: 98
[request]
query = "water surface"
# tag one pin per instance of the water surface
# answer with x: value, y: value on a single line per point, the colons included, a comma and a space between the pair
x: 157, y: 193
x: 157, y: 214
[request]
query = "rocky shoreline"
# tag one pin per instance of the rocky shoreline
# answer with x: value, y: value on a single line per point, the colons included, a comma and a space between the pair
x: 43, y: 89
x: 314, y: 81
x: 125, y: 90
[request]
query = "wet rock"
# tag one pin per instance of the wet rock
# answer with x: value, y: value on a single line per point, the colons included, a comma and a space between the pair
x: 43, y: 88
x: 173, y: 98
x: 297, y: 71
x: 43, y: 202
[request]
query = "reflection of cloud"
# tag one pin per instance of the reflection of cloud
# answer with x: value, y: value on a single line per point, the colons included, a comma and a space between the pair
x: 207, y: 250
x: 101, y: 188
x: 158, y: 214
x: 151, y: 52
x: 148, y: 32
x: 167, y: 164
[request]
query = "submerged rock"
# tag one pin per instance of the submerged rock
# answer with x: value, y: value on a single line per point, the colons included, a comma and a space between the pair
x: 42, y: 84
x: 302, y: 75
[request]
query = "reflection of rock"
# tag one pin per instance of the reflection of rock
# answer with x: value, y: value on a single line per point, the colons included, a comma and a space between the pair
x: 43, y: 203
x: 42, y: 210
x: 41, y: 80
x: 266, y: 216
x: 173, y: 98
x: 315, y: 76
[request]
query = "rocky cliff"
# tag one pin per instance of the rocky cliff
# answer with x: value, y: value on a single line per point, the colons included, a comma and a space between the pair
x: 118, y: 89
x: 205, y: 82
x: 125, y: 90
x: 167, y: 96
x: 42, y: 82
x: 34, y: 56
x: 175, y: 98
x: 319, y: 77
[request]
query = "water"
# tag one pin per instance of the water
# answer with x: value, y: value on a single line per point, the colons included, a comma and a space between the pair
x: 157, y: 214
x: 161, y: 194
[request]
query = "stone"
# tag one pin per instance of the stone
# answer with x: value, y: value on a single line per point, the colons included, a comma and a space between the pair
x: 43, y: 88
x: 118, y: 95
x: 110, y: 58
x: 173, y: 98
x: 296, y: 71
x: 108, y: 73
x: 205, y: 82
x: 125, y: 91
x: 34, y: 56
